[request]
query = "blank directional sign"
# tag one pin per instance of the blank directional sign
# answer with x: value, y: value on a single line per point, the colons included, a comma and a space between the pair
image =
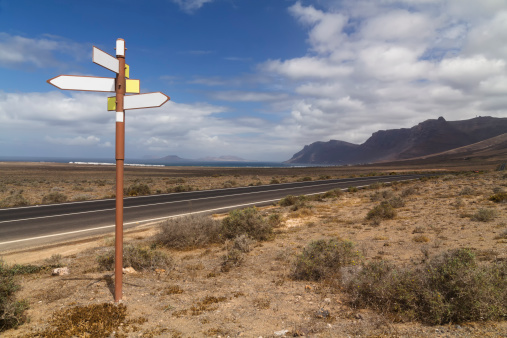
x: 105, y: 60
x: 91, y: 83
x: 147, y: 100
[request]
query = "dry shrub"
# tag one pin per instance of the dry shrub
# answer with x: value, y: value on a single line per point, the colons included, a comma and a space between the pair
x: 380, y: 212
x: 96, y: 320
x: 499, y: 197
x: 451, y: 287
x: 408, y: 191
x: 420, y: 239
x: 189, y: 232
x: 14, y: 200
x: 137, y: 189
x: 483, y: 215
x: 246, y: 221
x: 333, y: 193
x: 54, y: 197
x: 12, y: 312
x: 323, y: 259
x: 138, y: 257
x: 381, y: 195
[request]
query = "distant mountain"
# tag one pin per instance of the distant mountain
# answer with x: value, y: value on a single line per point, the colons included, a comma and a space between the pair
x: 177, y: 159
x: 172, y: 159
x: 227, y: 158
x: 428, y: 137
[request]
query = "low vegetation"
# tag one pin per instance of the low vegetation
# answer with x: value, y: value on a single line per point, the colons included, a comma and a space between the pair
x: 138, y: 257
x: 12, y: 311
x: 323, y: 259
x: 450, y: 288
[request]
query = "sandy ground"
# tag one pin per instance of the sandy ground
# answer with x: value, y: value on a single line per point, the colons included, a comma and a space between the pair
x: 259, y: 297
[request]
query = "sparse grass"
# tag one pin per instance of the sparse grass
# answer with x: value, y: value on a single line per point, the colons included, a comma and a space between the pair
x: 323, y: 259
x: 138, y: 257
x: 451, y: 287
x: 189, y: 232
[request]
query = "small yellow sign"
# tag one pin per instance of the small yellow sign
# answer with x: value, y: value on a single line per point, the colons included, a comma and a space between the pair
x: 111, y: 103
x: 133, y: 86
x: 127, y: 71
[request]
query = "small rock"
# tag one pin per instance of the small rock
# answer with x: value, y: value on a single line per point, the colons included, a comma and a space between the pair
x: 322, y: 313
x: 160, y: 271
x: 327, y: 300
x: 129, y: 270
x: 60, y: 271
x: 280, y: 333
x: 359, y: 316
x: 308, y: 288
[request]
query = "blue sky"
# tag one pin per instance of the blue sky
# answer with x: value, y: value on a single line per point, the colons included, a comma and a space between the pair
x: 257, y: 79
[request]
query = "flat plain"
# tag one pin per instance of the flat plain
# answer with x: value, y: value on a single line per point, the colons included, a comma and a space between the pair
x: 253, y: 287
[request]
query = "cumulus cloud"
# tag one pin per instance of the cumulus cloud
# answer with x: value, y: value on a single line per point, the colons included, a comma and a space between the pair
x: 75, y: 120
x: 388, y: 64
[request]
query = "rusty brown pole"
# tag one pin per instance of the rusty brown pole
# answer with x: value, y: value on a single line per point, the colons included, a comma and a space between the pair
x: 120, y: 159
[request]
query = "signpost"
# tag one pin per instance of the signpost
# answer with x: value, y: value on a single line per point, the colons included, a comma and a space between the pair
x: 120, y: 85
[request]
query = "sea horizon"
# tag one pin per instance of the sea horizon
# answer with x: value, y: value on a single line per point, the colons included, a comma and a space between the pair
x: 147, y: 162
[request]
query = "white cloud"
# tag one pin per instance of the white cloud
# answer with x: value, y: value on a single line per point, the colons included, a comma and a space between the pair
x: 392, y: 63
x: 190, y: 6
x: 242, y: 96
x: 17, y: 51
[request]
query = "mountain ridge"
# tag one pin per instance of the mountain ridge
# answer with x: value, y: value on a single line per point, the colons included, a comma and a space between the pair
x: 426, y: 138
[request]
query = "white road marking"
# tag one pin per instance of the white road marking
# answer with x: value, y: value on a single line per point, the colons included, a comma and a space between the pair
x: 160, y: 203
x: 159, y: 218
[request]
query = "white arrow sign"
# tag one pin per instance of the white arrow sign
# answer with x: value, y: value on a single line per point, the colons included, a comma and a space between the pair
x: 147, y: 100
x: 91, y: 83
x: 105, y: 60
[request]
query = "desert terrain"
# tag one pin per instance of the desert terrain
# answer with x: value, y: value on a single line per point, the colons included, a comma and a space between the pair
x: 266, y: 282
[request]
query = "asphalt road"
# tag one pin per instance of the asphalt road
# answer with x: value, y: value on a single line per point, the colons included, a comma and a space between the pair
x: 22, y: 228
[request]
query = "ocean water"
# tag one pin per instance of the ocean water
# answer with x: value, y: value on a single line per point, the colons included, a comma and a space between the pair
x: 143, y: 162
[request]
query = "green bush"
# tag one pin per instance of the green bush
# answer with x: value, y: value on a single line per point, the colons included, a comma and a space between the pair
x: 246, y: 221
x: 450, y: 288
x: 352, y: 189
x: 138, y: 257
x: 12, y: 312
x: 137, y: 189
x: 189, y: 232
x: 323, y: 259
x: 54, y: 197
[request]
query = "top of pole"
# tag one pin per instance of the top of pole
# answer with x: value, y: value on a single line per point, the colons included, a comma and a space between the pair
x: 120, y: 47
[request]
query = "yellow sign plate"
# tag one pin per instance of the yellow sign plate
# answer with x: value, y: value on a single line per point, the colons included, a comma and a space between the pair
x: 111, y: 103
x: 127, y: 71
x: 133, y: 86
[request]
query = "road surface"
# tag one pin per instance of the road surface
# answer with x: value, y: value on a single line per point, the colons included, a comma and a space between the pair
x: 25, y: 227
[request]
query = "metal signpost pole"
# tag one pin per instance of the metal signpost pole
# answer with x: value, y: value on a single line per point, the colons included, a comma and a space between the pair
x: 119, y: 103
x: 120, y: 159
